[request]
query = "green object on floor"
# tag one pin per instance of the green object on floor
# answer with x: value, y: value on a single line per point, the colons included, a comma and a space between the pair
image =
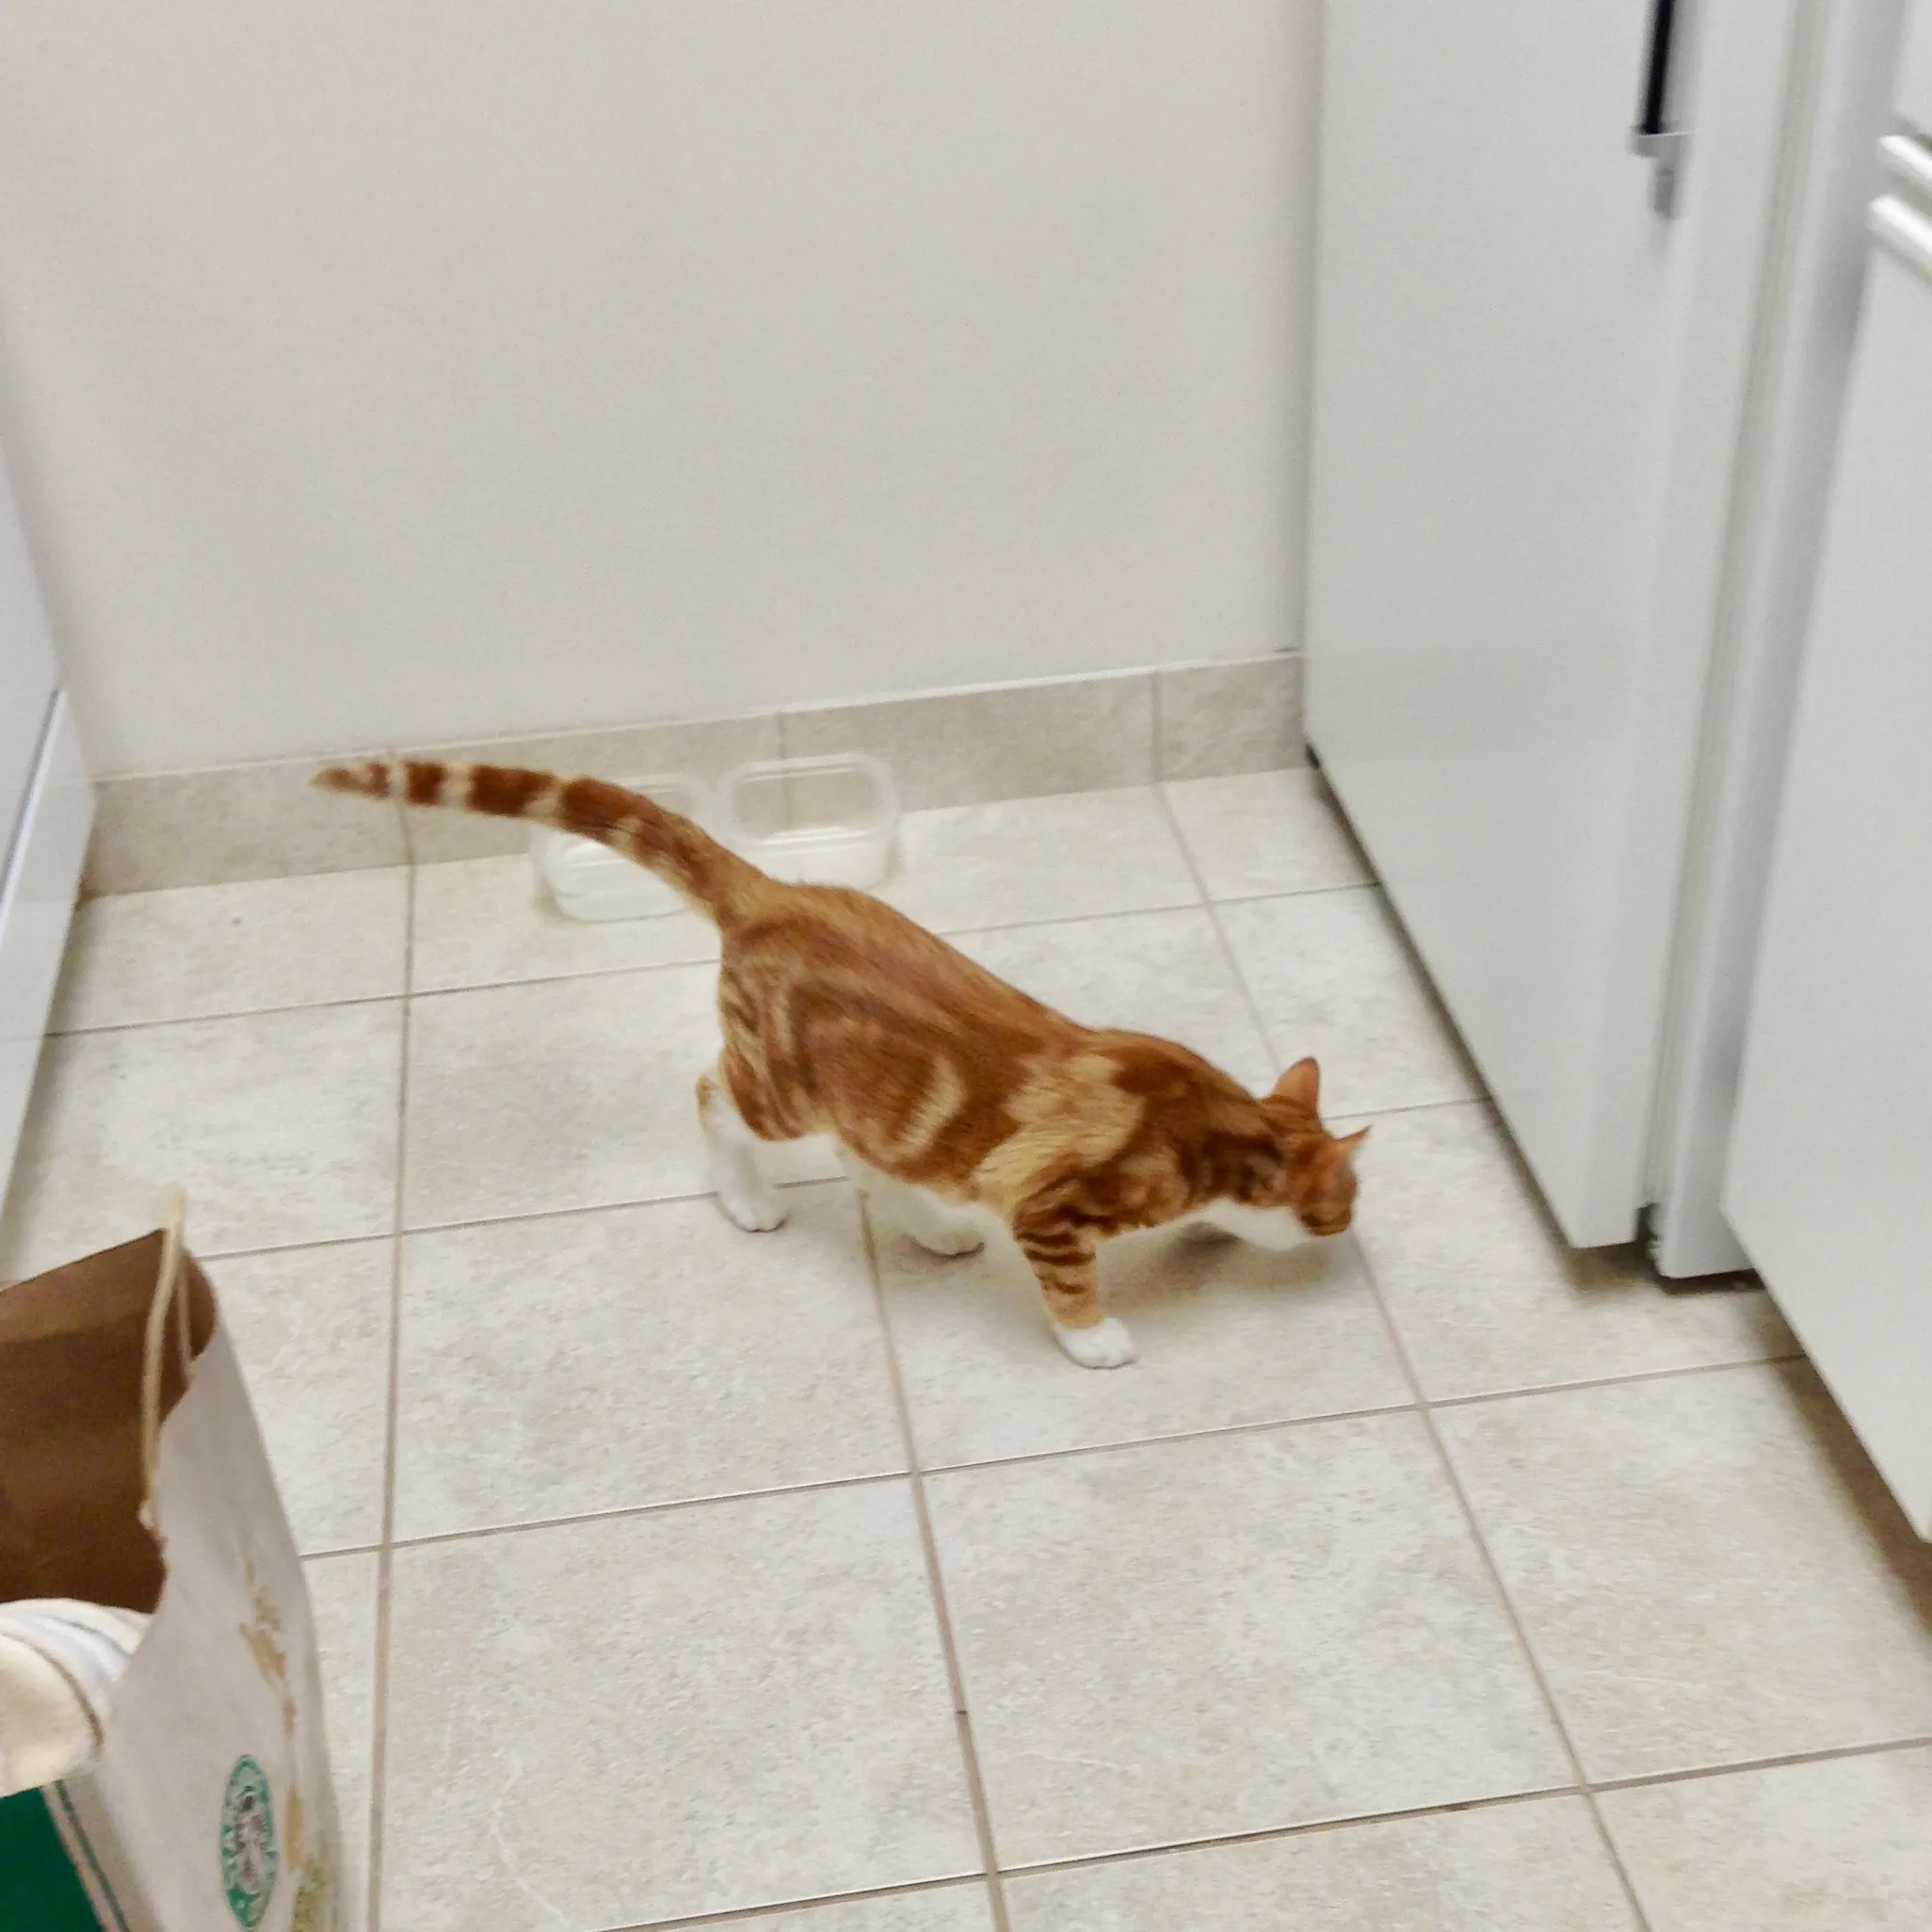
x: 40, y: 1889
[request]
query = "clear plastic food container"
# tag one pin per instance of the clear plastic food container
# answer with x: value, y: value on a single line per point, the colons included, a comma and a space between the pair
x: 590, y: 882
x: 814, y: 821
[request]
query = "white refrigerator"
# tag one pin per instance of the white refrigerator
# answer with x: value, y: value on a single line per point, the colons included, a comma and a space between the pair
x: 1829, y: 1183
x: 1589, y: 298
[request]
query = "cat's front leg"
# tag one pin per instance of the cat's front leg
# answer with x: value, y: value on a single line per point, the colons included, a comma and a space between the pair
x: 747, y: 1197
x: 1061, y: 1254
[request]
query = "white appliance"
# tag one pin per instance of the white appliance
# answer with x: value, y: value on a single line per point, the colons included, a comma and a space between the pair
x: 1832, y: 1154
x: 46, y: 810
x: 1575, y: 410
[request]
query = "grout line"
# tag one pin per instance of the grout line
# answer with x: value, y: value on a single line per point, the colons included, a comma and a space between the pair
x: 662, y: 1506
x: 1212, y: 1430
x: 969, y: 1753
x: 1428, y: 1422
x: 1477, y: 1097
x: 1573, y: 1756
x: 594, y: 972
x: 557, y: 1213
x: 1202, y: 901
x: 385, y: 1559
x: 1473, y: 1399
x: 329, y: 1555
x: 229, y: 1254
x: 763, y: 1914
x: 951, y: 933
x: 1228, y: 955
x: 939, y: 929
x: 1156, y: 708
x: 1664, y: 1374
x: 226, y: 1013
x: 603, y: 1207
x: 1323, y: 892
x: 1366, y: 1116
x: 1418, y: 971
x: 1540, y: 1795
x: 631, y: 1203
x: 399, y: 806
x: 1701, y: 1773
x: 1314, y: 1828
x: 954, y: 933
x: 956, y: 1677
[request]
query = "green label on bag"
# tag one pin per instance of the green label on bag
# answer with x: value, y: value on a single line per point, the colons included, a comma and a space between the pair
x: 248, y: 1857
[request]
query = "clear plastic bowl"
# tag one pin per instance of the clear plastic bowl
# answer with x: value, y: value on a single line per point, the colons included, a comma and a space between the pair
x: 814, y: 821
x: 590, y: 882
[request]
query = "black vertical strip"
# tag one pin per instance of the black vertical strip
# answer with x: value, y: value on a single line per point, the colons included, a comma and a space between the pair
x: 1656, y: 94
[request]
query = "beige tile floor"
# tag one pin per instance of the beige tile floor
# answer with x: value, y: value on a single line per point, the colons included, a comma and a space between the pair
x: 1433, y: 1580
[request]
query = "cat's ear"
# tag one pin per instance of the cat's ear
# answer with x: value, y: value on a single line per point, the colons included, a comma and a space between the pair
x: 1300, y: 1087
x: 1349, y: 1142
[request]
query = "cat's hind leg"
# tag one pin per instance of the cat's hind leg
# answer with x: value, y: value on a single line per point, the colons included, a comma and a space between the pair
x: 731, y: 1151
x: 934, y: 1224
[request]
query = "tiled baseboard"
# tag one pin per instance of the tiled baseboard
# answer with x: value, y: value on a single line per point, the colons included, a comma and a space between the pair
x: 946, y: 747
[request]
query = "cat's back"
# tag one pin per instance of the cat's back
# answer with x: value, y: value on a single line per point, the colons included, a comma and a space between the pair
x: 849, y: 940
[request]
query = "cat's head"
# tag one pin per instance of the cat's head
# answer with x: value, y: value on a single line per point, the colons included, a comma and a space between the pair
x: 1298, y: 1183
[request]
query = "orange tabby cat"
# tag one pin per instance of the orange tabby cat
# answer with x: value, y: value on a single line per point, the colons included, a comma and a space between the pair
x: 950, y: 1093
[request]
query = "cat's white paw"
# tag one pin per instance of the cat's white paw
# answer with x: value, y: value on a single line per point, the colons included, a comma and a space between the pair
x: 1107, y: 1346
x: 757, y: 1211
x: 1201, y: 1234
x: 944, y: 1237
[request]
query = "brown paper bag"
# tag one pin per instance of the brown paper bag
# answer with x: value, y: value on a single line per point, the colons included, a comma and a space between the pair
x: 208, y: 1802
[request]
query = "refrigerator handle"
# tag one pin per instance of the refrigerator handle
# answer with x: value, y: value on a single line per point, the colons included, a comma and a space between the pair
x: 1656, y: 137
x: 1902, y: 229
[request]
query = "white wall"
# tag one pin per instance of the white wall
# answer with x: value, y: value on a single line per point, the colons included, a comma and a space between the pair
x: 387, y: 373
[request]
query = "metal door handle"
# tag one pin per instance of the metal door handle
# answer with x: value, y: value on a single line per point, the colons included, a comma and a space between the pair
x: 1656, y: 137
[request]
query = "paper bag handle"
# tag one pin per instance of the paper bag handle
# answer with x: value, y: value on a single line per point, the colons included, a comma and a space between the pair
x: 167, y: 1295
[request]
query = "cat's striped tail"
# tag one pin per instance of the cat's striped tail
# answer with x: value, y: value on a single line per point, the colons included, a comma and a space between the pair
x: 713, y: 878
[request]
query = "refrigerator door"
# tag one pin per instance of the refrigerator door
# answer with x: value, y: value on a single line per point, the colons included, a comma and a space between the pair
x: 1805, y: 352
x: 1528, y: 391
x: 1833, y: 1141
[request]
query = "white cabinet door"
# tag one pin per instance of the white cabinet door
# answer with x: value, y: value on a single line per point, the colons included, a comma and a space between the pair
x: 1830, y: 1178
x: 46, y: 810
x: 27, y: 668
x: 37, y: 895
x: 1528, y: 388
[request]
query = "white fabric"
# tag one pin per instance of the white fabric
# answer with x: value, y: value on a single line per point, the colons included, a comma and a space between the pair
x: 61, y: 1664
